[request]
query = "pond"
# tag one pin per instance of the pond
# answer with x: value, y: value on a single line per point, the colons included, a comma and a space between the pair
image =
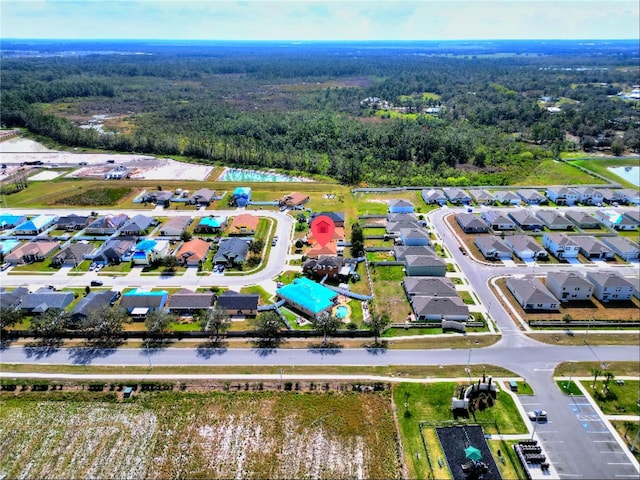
x: 242, y: 175
x: 630, y: 174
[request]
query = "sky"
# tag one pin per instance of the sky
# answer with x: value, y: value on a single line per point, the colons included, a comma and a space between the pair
x: 320, y: 19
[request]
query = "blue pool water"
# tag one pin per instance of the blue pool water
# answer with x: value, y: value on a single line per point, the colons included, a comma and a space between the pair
x: 242, y: 175
x: 341, y: 311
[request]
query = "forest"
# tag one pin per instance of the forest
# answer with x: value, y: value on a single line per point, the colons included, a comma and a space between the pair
x: 368, y: 113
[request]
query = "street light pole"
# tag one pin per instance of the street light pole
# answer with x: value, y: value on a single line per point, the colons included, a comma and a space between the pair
x: 534, y: 428
x: 573, y: 365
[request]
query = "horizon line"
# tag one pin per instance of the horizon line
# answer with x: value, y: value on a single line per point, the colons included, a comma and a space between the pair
x: 326, y: 40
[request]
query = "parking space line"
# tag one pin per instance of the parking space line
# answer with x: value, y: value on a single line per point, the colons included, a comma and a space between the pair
x: 615, y: 453
x: 619, y: 463
x: 604, y: 441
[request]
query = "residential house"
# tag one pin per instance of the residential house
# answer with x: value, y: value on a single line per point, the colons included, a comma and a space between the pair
x: 429, y: 286
x: 36, y: 225
x: 139, y: 225
x: 231, y: 252
x: 149, y: 251
x: 10, y: 299
x: 336, y: 217
x: 9, y: 221
x: 434, y: 196
x: 492, y: 247
x: 569, y: 286
x: 497, y: 220
x: 457, y: 196
x: 8, y: 246
x: 582, y: 219
x: 139, y: 303
x: 202, y: 197
x: 398, y: 221
x: 187, y: 302
x: 244, y: 224
x: 525, y: 247
x: 193, y: 253
x: 592, y: 248
x: 72, y: 255
x: 562, y: 195
x: 34, y: 251
x: 531, y: 294
x: 159, y: 197
x: 589, y: 195
x: 107, y: 225
x: 73, y: 222
x: 615, y: 220
x: 531, y: 196
x: 413, y: 237
x: 609, y: 195
x: 401, y: 251
x: 239, y: 304
x: 93, y: 301
x: 44, y: 299
x: 610, y: 286
x: 525, y: 220
x: 332, y: 248
x: 626, y: 248
x: 507, y: 197
x: 401, y: 206
x: 470, y: 223
x: 482, y: 197
x: 307, y: 296
x: 175, y: 226
x: 630, y: 196
x: 554, y: 221
x: 114, y: 251
x: 633, y: 215
x: 326, y: 266
x: 242, y: 196
x: 424, y: 266
x: 211, y: 225
x: 294, y: 199
x: 560, y: 245
x: 429, y: 309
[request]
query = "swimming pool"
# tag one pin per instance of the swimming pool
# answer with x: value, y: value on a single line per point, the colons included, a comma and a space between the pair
x: 242, y: 175
x: 341, y: 311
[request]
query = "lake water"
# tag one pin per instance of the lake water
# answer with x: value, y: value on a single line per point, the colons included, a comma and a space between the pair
x: 630, y: 174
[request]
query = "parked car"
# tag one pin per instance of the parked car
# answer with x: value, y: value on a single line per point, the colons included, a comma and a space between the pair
x: 537, y: 415
x: 96, y: 283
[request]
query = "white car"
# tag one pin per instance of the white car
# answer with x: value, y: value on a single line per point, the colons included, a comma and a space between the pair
x: 537, y: 415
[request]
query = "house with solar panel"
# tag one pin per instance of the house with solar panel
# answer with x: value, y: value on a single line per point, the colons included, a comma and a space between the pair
x: 242, y: 196
x: 9, y: 221
x: 139, y: 303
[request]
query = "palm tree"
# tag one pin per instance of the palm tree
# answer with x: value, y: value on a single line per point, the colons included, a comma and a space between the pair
x: 596, y: 373
x: 377, y: 323
x: 608, y: 377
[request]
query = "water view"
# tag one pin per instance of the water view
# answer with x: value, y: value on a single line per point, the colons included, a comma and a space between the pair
x: 242, y: 175
x: 630, y: 174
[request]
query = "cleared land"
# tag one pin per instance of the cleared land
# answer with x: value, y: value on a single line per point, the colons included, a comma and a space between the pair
x: 211, y: 435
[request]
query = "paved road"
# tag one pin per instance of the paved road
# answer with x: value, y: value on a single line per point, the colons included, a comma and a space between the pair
x: 569, y: 444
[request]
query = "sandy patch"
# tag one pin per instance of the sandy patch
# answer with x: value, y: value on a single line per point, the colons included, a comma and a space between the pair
x: 16, y: 151
x: 46, y: 175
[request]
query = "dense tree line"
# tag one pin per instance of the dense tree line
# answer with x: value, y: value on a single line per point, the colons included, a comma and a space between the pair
x: 301, y: 109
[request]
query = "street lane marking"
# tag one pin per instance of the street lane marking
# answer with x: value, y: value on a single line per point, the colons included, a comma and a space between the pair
x: 604, y: 441
x: 622, y: 463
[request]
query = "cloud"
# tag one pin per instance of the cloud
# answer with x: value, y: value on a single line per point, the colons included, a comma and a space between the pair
x: 320, y: 19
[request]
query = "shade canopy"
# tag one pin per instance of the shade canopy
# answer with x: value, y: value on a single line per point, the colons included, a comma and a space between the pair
x: 472, y: 453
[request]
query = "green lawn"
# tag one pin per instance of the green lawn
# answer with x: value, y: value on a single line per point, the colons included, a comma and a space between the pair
x: 620, y: 399
x: 600, y: 166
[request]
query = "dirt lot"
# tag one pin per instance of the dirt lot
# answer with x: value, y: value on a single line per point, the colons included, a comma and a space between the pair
x: 17, y: 151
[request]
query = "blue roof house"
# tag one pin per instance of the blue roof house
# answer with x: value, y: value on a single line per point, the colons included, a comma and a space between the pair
x: 211, y: 225
x: 308, y: 296
x: 36, y: 225
x: 242, y: 196
x: 7, y: 246
x: 9, y: 221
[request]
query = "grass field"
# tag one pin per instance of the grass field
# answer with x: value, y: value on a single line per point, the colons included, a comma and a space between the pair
x: 600, y: 166
x: 199, y: 435
x: 552, y: 172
